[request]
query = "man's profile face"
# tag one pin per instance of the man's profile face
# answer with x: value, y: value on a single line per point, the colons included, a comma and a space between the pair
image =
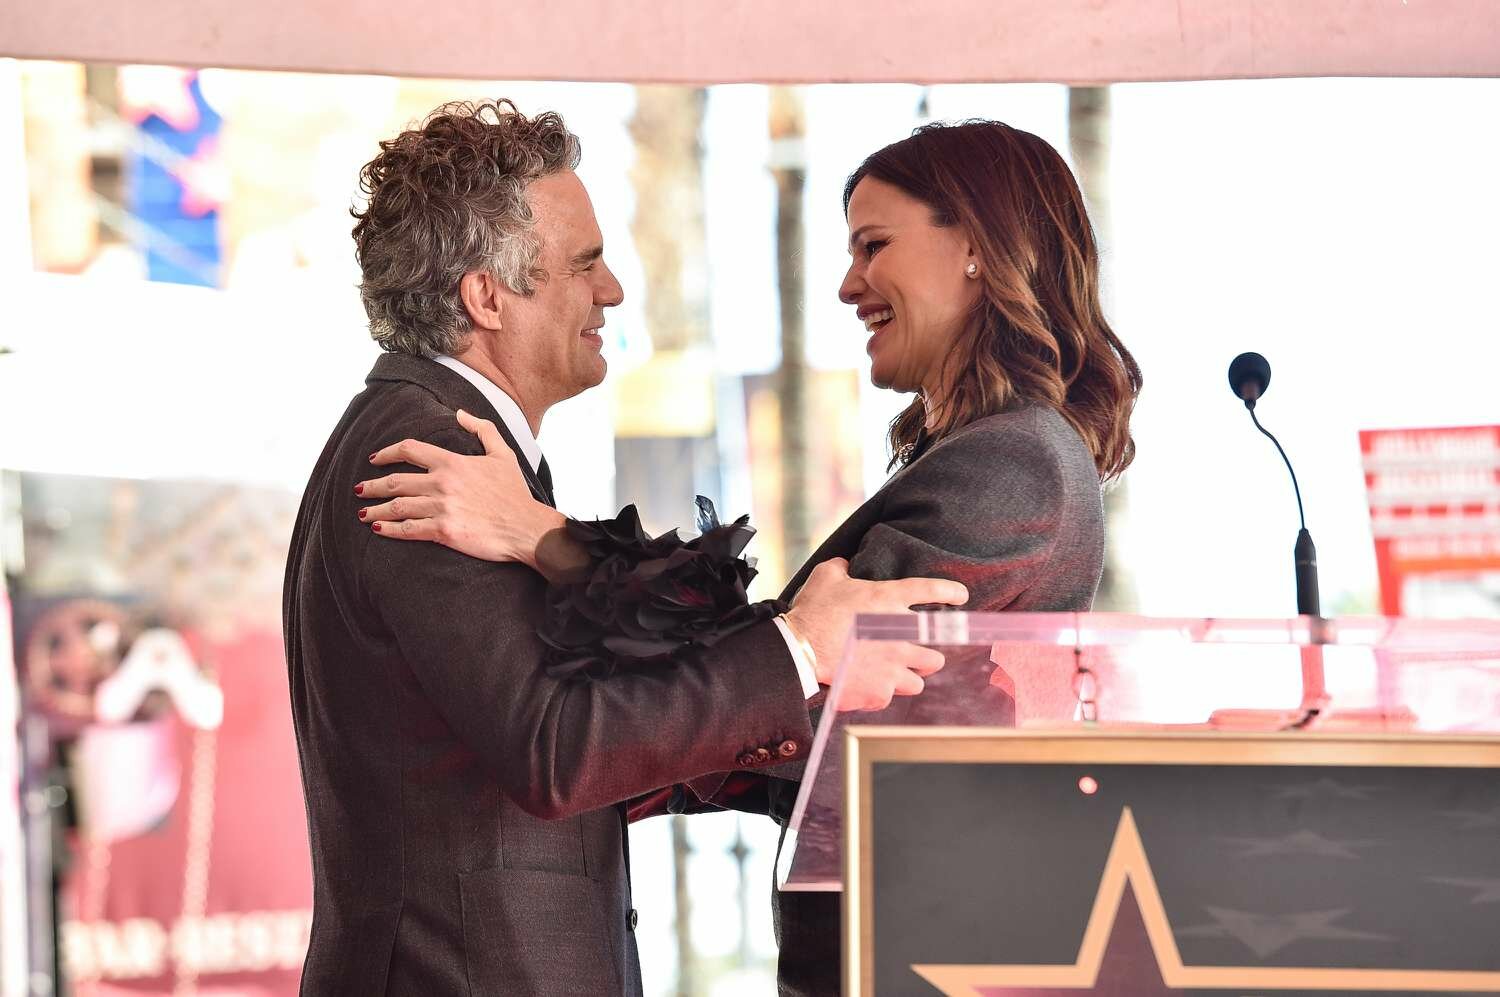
x: 556, y: 331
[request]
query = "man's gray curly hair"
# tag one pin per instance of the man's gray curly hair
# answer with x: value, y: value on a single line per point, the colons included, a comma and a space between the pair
x: 446, y: 199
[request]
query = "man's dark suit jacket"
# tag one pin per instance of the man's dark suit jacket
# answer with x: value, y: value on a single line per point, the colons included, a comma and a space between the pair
x: 1011, y: 506
x: 462, y: 804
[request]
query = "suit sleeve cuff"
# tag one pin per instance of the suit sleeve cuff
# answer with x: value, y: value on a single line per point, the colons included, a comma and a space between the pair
x: 805, y: 673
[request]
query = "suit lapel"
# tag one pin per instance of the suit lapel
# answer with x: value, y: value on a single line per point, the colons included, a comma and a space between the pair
x: 455, y: 393
x: 544, y: 475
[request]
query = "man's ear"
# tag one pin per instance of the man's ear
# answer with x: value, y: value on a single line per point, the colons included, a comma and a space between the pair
x: 482, y: 299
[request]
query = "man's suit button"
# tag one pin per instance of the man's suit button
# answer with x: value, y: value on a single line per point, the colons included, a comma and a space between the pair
x: 762, y: 755
x: 788, y: 748
x: 745, y: 761
x: 632, y: 919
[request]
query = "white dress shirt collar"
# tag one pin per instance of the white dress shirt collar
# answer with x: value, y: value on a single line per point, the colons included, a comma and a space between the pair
x: 505, y: 406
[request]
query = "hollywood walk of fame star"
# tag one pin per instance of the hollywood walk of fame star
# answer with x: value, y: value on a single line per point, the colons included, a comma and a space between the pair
x: 1300, y: 843
x: 1267, y: 934
x: 1489, y: 889
x: 1128, y: 906
x: 1129, y: 967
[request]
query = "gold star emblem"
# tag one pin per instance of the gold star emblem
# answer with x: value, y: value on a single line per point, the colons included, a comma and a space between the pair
x: 1127, y: 866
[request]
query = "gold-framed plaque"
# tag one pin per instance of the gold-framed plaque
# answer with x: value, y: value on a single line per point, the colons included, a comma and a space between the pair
x: 985, y: 862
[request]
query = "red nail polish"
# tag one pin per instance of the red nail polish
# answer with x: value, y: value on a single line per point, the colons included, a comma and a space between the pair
x: 375, y: 527
x: 374, y: 455
x: 363, y: 513
x: 359, y: 489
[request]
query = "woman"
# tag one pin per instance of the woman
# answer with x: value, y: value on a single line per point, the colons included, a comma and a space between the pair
x: 976, y: 275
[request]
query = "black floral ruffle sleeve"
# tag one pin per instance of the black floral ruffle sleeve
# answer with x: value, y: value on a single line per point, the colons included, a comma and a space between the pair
x: 647, y: 600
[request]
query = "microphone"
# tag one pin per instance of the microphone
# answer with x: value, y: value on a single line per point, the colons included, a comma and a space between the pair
x: 1249, y: 376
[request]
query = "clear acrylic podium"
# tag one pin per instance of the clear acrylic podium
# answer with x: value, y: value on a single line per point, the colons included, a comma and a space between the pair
x: 1062, y: 671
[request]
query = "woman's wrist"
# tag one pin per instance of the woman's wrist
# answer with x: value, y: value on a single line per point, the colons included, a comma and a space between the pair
x: 556, y: 555
x: 535, y: 525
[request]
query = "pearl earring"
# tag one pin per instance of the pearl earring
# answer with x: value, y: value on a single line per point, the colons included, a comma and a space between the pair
x: 971, y: 271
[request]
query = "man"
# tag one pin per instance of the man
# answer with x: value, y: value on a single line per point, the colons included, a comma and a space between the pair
x: 465, y: 808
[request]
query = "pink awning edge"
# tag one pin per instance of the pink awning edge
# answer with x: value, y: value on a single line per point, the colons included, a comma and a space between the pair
x: 697, y: 41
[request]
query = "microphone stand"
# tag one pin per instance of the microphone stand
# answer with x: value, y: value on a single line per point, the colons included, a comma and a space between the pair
x: 1304, y: 554
x: 1305, y: 565
x: 1249, y: 375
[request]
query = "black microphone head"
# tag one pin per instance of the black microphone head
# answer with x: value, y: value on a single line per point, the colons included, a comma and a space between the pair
x: 1249, y: 377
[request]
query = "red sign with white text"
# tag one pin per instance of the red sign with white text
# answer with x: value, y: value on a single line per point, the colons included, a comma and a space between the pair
x: 1434, y: 499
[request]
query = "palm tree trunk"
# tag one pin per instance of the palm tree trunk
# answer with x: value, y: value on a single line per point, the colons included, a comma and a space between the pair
x: 789, y: 168
x: 669, y: 235
x: 1088, y: 141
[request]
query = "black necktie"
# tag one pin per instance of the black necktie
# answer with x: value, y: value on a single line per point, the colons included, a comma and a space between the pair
x: 544, y: 474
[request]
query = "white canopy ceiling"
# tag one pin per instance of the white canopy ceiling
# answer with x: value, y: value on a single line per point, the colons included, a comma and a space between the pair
x: 777, y: 40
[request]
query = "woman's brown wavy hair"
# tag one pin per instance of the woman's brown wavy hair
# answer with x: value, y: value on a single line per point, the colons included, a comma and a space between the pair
x: 1038, y: 333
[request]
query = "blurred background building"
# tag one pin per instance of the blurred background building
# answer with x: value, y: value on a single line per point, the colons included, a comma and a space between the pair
x: 180, y: 329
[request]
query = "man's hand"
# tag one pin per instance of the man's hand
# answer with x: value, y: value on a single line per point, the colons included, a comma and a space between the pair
x: 824, y: 610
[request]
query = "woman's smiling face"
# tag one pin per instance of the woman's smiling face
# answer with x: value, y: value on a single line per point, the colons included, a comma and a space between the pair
x: 907, y: 284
